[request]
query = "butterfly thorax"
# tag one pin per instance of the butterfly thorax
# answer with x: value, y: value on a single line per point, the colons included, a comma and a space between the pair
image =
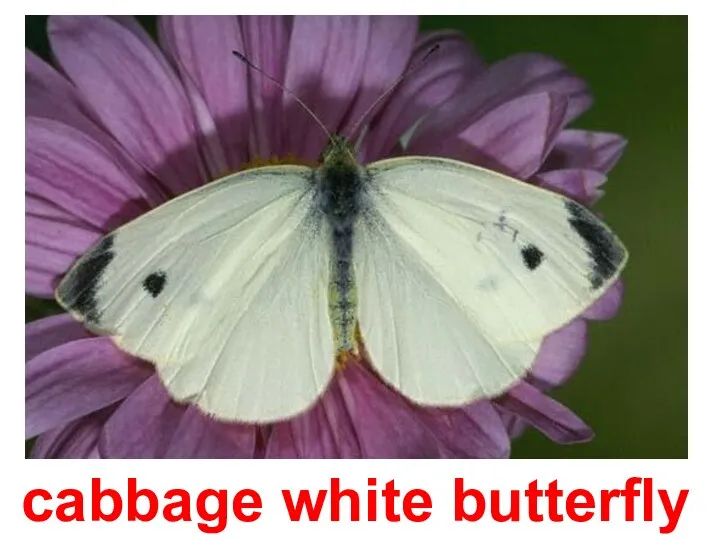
x: 339, y: 184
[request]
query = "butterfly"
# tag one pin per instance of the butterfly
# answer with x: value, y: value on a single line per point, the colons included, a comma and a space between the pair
x: 247, y: 293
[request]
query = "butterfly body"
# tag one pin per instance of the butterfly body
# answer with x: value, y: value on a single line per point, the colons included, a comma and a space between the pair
x: 339, y: 184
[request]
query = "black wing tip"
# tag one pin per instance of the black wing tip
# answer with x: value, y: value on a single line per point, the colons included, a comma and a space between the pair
x: 608, y: 255
x: 77, y: 291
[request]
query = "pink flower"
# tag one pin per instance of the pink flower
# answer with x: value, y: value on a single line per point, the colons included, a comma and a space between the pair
x: 124, y: 124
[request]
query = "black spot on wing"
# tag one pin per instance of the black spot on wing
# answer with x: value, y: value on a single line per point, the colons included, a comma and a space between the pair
x: 155, y: 283
x: 78, y: 290
x: 532, y: 256
x: 605, y: 252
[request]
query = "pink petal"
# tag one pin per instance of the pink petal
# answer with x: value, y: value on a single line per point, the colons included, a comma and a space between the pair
x: 143, y: 425
x: 514, y: 425
x: 51, y: 247
x: 512, y: 78
x: 386, y: 425
x: 79, y: 175
x: 325, y: 431
x: 149, y: 425
x: 133, y: 89
x: 198, y: 436
x: 50, y: 332
x: 336, y: 428
x: 201, y: 48
x: 50, y: 95
x: 433, y: 82
x: 578, y: 149
x: 560, y: 355
x: 40, y: 207
x: 76, y: 440
x: 475, y: 431
x: 608, y: 305
x: 514, y: 138
x: 583, y: 185
x: 40, y: 282
x: 75, y: 379
x: 44, y: 264
x: 266, y: 41
x: 389, y: 50
x: 547, y: 415
x: 326, y: 62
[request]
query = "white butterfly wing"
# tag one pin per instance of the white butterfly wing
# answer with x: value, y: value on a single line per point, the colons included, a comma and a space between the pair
x: 462, y: 272
x: 418, y: 337
x: 225, y: 290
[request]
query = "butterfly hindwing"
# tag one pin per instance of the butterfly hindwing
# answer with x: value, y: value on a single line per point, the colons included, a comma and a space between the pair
x: 417, y: 336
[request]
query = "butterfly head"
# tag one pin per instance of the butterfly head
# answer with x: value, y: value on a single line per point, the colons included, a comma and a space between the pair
x: 339, y: 151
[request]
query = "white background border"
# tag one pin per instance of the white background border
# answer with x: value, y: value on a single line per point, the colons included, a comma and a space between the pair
x: 699, y: 473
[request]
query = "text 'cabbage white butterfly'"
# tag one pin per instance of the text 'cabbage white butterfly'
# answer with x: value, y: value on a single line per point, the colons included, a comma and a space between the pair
x: 246, y: 293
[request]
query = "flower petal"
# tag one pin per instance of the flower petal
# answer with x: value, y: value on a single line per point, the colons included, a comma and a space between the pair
x: 560, y: 354
x: 514, y: 77
x: 513, y: 138
x: 607, y: 306
x: 44, y: 264
x: 325, y: 431
x: 386, y: 425
x: 199, y: 436
x: 434, y: 81
x: 51, y: 246
x: 131, y: 87
x: 209, y: 143
x: 360, y: 417
x: 143, y: 425
x: 475, y: 431
x: 75, y: 379
x: 79, y: 175
x: 50, y: 95
x: 148, y: 424
x: 583, y: 185
x: 201, y: 47
x: 391, y: 43
x: 266, y: 40
x: 326, y: 61
x: 76, y: 440
x: 41, y: 282
x: 50, y: 332
x: 38, y: 206
x: 578, y: 149
x: 514, y: 425
x: 547, y: 415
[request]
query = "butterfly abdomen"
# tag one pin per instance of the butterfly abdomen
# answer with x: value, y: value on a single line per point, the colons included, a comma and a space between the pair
x: 339, y: 196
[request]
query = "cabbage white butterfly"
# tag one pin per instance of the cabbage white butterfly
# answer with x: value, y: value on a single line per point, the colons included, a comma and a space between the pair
x: 247, y: 291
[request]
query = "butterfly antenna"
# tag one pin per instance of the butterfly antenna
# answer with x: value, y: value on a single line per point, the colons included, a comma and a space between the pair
x: 282, y: 87
x: 392, y: 87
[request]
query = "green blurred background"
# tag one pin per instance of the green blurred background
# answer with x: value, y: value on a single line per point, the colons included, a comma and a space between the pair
x: 632, y: 386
